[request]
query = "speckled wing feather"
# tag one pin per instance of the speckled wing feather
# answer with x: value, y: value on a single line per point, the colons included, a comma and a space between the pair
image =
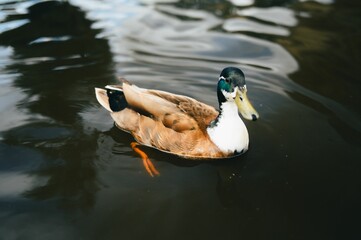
x: 202, y: 113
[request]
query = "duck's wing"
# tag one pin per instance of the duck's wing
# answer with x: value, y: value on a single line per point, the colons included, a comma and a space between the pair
x: 169, y: 122
x: 202, y: 113
x: 178, y: 112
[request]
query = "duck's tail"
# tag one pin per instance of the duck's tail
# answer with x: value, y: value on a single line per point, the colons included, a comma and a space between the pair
x: 111, y: 98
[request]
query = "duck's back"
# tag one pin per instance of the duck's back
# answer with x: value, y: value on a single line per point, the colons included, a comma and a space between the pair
x: 168, y: 122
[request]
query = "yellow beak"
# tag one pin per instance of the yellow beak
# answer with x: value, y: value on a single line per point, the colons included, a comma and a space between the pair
x: 244, y: 105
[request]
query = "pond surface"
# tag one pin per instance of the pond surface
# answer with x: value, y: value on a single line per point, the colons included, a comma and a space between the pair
x: 67, y: 173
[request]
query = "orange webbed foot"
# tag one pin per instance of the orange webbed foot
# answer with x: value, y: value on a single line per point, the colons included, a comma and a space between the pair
x: 152, y: 171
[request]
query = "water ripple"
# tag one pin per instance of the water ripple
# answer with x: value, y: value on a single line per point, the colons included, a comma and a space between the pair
x: 10, y: 25
x: 50, y: 39
x: 162, y: 37
x: 238, y: 25
x: 276, y: 15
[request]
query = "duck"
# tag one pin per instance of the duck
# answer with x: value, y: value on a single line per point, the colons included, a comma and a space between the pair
x: 179, y: 124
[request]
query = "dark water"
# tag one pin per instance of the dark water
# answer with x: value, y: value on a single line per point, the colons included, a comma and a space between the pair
x: 67, y: 173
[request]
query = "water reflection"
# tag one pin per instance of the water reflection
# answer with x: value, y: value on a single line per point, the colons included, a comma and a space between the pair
x: 275, y: 15
x: 58, y: 60
x: 241, y: 24
x: 331, y: 77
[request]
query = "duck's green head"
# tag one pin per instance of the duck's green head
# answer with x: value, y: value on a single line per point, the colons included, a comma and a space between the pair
x: 232, y: 88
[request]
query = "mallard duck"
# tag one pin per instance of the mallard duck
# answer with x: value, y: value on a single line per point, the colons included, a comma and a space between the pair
x: 181, y: 125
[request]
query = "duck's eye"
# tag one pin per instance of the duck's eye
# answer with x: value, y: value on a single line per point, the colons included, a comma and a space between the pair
x: 228, y: 80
